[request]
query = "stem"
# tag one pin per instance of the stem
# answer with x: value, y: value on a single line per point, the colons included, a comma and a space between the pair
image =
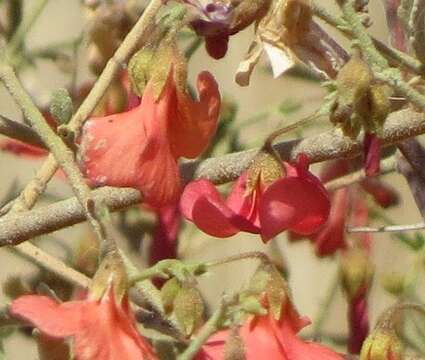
x: 387, y: 166
x: 254, y: 255
x: 19, y: 131
x: 52, y: 264
x: 268, y: 144
x: 210, y: 327
x: 387, y: 228
x: 18, y: 37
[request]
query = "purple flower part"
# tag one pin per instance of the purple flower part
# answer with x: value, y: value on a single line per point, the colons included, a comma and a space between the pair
x: 212, y: 18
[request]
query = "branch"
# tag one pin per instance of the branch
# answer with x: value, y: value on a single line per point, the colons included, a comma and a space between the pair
x: 19, y: 131
x: 388, y: 228
x: 55, y: 266
x: 17, y: 228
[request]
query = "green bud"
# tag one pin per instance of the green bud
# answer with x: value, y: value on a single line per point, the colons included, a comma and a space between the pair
x: 268, y: 280
x: 356, y: 271
x: 394, y: 283
x: 189, y: 309
x: 169, y: 292
x: 61, y: 106
x: 382, y: 344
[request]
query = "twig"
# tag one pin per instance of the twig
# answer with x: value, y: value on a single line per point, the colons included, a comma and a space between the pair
x: 19, y: 131
x: 387, y: 166
x: 54, y: 265
x: 17, y: 228
x: 388, y: 228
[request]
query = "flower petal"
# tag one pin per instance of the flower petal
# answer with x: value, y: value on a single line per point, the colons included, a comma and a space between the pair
x: 132, y: 149
x: 111, y: 147
x: 202, y: 204
x: 52, y: 318
x: 293, y: 203
x: 196, y: 121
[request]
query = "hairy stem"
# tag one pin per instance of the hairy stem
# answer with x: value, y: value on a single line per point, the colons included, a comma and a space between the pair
x: 399, y: 126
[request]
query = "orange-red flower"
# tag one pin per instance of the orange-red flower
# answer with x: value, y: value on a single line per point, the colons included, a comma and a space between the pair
x: 140, y: 148
x: 297, y: 201
x: 101, y: 329
x: 265, y: 337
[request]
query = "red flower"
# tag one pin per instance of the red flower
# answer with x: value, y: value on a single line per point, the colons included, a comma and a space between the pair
x: 266, y: 337
x: 140, y: 148
x: 297, y: 202
x: 101, y: 329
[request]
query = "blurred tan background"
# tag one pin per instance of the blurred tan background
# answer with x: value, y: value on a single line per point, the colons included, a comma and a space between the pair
x: 309, y: 277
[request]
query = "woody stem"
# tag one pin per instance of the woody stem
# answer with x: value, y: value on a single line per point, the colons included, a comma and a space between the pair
x: 254, y: 255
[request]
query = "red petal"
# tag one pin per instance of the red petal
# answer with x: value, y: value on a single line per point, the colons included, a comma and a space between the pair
x: 132, y: 149
x: 202, y: 204
x: 246, y: 206
x: 196, y: 121
x: 293, y: 203
x: 53, y: 319
x: 108, y: 332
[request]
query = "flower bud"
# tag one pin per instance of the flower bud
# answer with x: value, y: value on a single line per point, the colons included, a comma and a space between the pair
x: 394, y: 283
x: 356, y: 272
x: 111, y: 272
x: 189, y: 309
x: 61, y: 106
x: 269, y: 282
x: 153, y: 64
x: 169, y: 292
x: 382, y: 344
x: 380, y: 107
x: 352, y: 84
